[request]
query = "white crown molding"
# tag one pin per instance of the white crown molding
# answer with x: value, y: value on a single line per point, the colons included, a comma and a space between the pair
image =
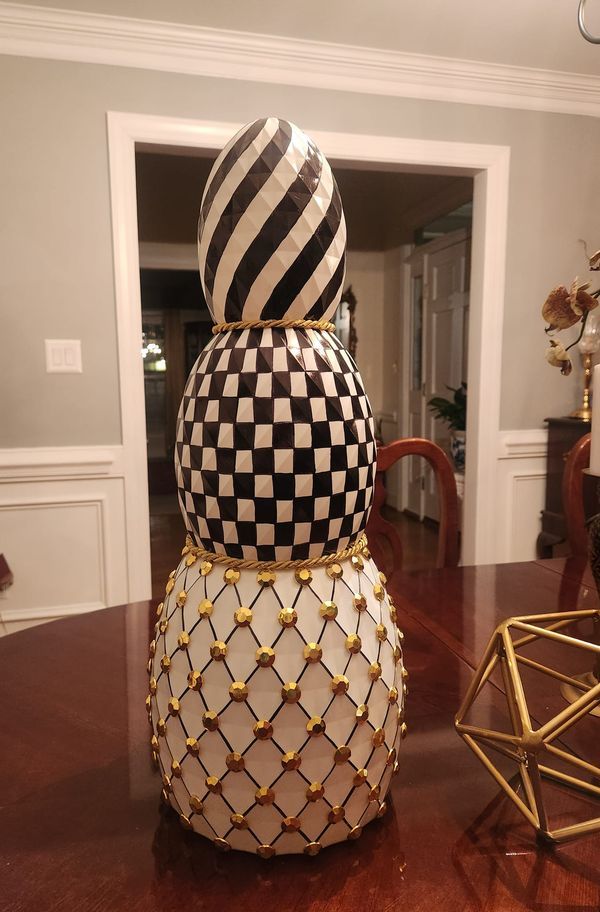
x: 32, y: 31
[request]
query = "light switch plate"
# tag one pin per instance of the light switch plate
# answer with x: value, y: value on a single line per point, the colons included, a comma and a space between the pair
x: 63, y: 356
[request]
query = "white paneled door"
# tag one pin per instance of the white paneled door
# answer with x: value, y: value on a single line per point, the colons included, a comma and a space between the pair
x: 439, y: 320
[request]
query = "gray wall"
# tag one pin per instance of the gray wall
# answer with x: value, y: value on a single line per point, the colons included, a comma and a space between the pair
x: 56, y: 272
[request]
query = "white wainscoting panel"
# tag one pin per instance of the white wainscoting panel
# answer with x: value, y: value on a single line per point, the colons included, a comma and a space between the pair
x: 62, y: 531
x: 521, y: 492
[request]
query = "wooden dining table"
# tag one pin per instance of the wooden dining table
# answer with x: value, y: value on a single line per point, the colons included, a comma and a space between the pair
x: 82, y: 826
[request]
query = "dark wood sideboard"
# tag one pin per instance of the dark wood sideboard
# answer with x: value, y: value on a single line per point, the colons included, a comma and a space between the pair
x: 563, y: 433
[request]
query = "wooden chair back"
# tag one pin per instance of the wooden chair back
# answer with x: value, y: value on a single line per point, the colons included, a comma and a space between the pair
x: 578, y: 459
x: 384, y: 542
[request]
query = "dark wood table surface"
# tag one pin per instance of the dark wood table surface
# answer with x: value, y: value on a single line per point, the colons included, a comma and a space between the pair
x: 82, y: 827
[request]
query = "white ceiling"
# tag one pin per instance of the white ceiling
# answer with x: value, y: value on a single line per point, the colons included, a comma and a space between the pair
x: 534, y: 33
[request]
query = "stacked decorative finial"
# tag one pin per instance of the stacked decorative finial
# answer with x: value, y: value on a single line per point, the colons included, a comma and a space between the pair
x: 276, y: 676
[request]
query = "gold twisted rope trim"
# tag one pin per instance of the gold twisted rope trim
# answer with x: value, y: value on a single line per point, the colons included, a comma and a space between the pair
x: 239, y: 563
x: 323, y: 325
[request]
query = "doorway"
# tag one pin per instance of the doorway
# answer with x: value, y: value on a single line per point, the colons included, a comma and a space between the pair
x: 488, y: 165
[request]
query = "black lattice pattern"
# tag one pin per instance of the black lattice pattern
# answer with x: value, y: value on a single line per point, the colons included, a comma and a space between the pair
x: 276, y: 702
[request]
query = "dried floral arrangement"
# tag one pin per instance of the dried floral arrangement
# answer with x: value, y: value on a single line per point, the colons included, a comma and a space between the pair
x: 565, y: 307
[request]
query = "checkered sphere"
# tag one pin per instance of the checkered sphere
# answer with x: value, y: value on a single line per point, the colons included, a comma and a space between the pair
x: 271, y: 233
x: 275, y: 447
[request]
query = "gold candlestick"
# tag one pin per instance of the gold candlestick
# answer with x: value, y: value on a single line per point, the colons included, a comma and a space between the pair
x: 585, y: 412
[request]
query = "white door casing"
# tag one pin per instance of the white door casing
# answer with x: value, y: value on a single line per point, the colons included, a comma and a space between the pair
x: 489, y: 165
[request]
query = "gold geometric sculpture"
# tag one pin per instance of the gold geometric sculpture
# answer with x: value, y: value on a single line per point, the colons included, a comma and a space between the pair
x: 534, y: 749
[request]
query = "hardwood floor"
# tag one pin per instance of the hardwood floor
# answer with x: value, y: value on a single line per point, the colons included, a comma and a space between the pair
x: 167, y: 538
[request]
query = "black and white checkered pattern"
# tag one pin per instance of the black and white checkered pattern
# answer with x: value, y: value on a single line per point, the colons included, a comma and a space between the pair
x: 275, y: 446
x: 271, y: 234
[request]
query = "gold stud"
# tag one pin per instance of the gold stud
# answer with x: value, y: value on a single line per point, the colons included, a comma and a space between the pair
x: 291, y: 761
x: 214, y: 785
x: 303, y: 576
x: 175, y: 769
x: 393, y: 696
x: 218, y: 650
x: 185, y: 550
x: 192, y: 746
x: 396, y: 768
x: 355, y: 832
x: 159, y: 609
x: 336, y: 814
x: 328, y: 611
x: 374, y: 671
x: 391, y: 757
x: 205, y: 568
x: 315, y: 726
x: 166, y: 783
x: 340, y: 684
x: 382, y: 809
x: 266, y: 851
x: 194, y: 680
x: 170, y: 586
x: 362, y: 712
x: 263, y: 730
x: 290, y: 824
x: 185, y: 822
x: 173, y: 574
x: 210, y: 720
x: 342, y: 754
x: 154, y: 743
x: 382, y: 578
x: 378, y: 737
x: 149, y: 666
x: 265, y: 577
x: 235, y: 762
x: 379, y: 592
x: 397, y: 654
x: 165, y: 663
x: 265, y: 656
x: 174, y: 706
x: 243, y: 617
x: 357, y: 562
x: 353, y: 643
x: 312, y: 653
x: 181, y: 598
x: 374, y: 793
x: 315, y: 791
x: 152, y: 685
x: 290, y: 692
x: 359, y: 601
x: 264, y: 795
x: 161, y: 727
x: 205, y: 608
x: 196, y: 804
x: 238, y: 691
x: 148, y: 702
x: 403, y: 730
x: 312, y: 848
x: 190, y: 559
x: 183, y: 640
x: 404, y: 674
x: 393, y: 615
x: 231, y: 576
x: 360, y: 777
x: 366, y: 553
x: 287, y: 617
x: 381, y: 632
x: 400, y: 636
x: 221, y: 844
x: 239, y: 821
x: 334, y: 571
x: 164, y: 625
x: 165, y: 797
x: 152, y: 649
